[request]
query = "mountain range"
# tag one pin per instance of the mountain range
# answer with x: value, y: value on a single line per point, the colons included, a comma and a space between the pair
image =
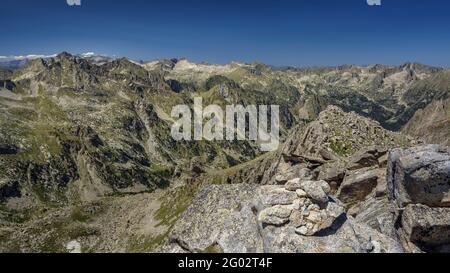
x: 86, y: 155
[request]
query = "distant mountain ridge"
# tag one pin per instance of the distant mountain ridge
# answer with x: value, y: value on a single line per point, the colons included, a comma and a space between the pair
x: 385, y: 93
x: 16, y: 62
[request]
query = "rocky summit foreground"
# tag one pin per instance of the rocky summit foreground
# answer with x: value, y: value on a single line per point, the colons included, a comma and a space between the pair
x: 405, y: 212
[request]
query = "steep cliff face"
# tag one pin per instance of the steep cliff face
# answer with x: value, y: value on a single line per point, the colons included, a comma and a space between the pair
x: 421, y: 94
x: 432, y: 124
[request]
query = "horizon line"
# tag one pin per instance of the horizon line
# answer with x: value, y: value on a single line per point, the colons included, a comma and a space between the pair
x: 20, y: 57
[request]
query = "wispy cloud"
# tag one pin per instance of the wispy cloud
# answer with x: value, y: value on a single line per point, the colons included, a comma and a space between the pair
x: 87, y: 54
x: 24, y: 57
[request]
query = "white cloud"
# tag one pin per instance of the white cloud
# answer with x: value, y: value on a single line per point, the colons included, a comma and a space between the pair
x: 24, y: 57
x: 88, y: 54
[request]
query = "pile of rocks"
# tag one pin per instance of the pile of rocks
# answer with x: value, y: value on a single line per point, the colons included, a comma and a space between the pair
x: 299, y: 216
x: 353, y: 179
x: 305, y: 205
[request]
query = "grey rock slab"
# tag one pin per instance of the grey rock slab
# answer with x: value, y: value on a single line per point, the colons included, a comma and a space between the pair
x: 358, y: 185
x: 429, y: 227
x: 420, y: 175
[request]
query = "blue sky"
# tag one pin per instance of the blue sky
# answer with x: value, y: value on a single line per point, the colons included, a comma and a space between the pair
x: 297, y: 33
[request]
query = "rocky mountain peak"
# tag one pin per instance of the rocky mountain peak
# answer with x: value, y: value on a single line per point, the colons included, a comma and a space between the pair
x: 341, y: 134
x: 64, y: 55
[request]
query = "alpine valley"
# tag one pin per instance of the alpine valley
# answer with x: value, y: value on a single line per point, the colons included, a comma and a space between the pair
x: 88, y: 164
